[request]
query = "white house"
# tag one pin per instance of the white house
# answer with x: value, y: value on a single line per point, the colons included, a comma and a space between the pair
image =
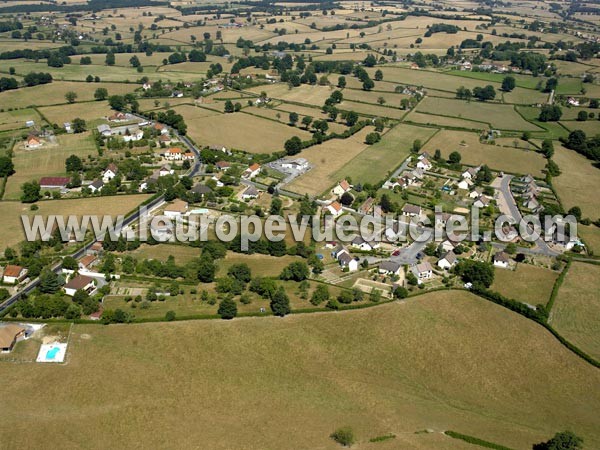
x: 423, y: 271
x: 13, y: 274
x: 447, y: 261
x: 176, y: 209
x: 110, y: 172
x: 79, y: 282
x: 251, y: 171
x: 104, y: 130
x: 346, y: 260
x: 173, y: 154
x: 476, y: 193
x: 501, y: 259
x: 411, y: 210
x: 465, y: 184
x: 424, y: 164
x: 165, y: 170
x: 481, y: 202
x: 389, y: 268
x: 133, y: 136
x: 470, y: 173
x: 96, y: 186
x: 362, y: 244
x: 341, y: 188
x: 223, y: 165
x: 334, y: 208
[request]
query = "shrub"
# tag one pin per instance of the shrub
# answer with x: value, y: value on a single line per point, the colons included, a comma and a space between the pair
x: 343, y: 436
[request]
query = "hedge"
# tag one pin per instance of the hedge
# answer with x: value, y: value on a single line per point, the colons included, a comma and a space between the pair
x: 475, y: 441
x: 557, y: 284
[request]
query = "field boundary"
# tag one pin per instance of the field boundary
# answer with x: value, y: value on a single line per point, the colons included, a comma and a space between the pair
x: 557, y: 284
x: 475, y: 441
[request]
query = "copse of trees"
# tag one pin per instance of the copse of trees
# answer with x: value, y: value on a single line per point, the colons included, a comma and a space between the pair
x: 36, y: 78
x: 550, y: 113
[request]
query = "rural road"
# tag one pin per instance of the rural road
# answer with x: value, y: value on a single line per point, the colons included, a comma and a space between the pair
x: 157, y: 202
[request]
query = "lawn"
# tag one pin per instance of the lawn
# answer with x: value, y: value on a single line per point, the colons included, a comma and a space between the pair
x: 577, y: 307
x: 529, y: 284
x: 12, y: 211
x: 378, y: 160
x: 508, y: 159
x: 327, y: 160
x: 47, y: 161
x: 578, y: 182
x: 499, y: 116
x: 380, y: 370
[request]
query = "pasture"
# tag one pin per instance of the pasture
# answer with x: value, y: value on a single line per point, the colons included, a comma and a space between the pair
x: 576, y: 309
x: 12, y: 211
x: 503, y: 117
x: 92, y: 112
x: 527, y: 283
x: 47, y: 161
x: 473, y: 152
x: 380, y: 370
x: 443, y: 121
x: 375, y: 162
x: 578, y: 181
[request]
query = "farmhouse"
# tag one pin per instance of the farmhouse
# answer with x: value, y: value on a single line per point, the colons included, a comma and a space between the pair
x: 341, y: 188
x: 104, y: 130
x: 223, y: 165
x: 176, y: 209
x: 411, y: 210
x: 32, y: 142
x: 96, y: 186
x: 447, y: 261
x: 79, y: 282
x: 173, y: 154
x: 118, y: 117
x: 250, y: 193
x: 501, y: 259
x: 13, y: 274
x: 423, y: 271
x: 54, y: 182
x: 251, y: 171
x: 390, y: 268
x: 110, y: 172
x: 334, y: 208
x: 87, y: 261
x: 9, y: 335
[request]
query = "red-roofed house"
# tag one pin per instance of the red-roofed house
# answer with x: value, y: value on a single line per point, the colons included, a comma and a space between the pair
x: 173, y: 154
x: 251, y: 171
x: 335, y: 208
x: 54, y: 182
x: 13, y: 274
x: 341, y: 188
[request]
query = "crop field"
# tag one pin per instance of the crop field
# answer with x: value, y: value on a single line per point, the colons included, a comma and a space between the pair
x: 420, y: 385
x: 499, y: 116
x: 527, y: 283
x: 13, y: 229
x: 244, y: 132
x: 328, y: 158
x: 579, y: 178
x: 577, y: 307
x: 50, y: 161
x: 54, y: 93
x: 508, y: 159
x: 376, y: 161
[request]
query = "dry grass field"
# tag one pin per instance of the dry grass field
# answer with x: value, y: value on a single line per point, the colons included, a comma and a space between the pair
x: 327, y: 159
x: 47, y: 161
x: 589, y: 127
x: 376, y: 161
x: 529, y: 284
x: 91, y: 112
x: 12, y: 211
x: 54, y: 93
x: 502, y: 117
x: 577, y: 306
x: 374, y: 110
x: 381, y: 370
x: 508, y: 159
x: 591, y: 235
x: 11, y: 120
x: 243, y: 132
x: 443, y: 121
x: 181, y: 253
x: 310, y: 95
x: 578, y: 182
x: 261, y: 265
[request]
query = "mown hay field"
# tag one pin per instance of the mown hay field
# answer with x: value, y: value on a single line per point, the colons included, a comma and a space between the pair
x: 508, y: 159
x: 243, y: 132
x: 11, y: 120
x: 577, y: 306
x: 46, y: 161
x: 310, y: 95
x: 91, y: 112
x: 13, y: 229
x: 527, y: 283
x: 443, y: 121
x: 578, y: 182
x: 381, y: 370
x: 327, y: 159
x: 499, y: 116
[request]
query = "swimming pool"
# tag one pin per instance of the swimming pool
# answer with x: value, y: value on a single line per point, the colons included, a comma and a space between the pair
x: 51, y: 354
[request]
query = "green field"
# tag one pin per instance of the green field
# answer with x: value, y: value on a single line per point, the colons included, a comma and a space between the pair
x: 577, y: 306
x: 527, y: 283
x: 382, y: 370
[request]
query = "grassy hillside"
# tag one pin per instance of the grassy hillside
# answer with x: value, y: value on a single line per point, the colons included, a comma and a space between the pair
x: 441, y: 361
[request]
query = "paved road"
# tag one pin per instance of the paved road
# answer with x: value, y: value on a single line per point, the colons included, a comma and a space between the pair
x: 509, y: 206
x: 194, y: 170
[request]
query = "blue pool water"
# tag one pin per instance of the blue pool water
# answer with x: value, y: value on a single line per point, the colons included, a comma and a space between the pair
x: 51, y: 354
